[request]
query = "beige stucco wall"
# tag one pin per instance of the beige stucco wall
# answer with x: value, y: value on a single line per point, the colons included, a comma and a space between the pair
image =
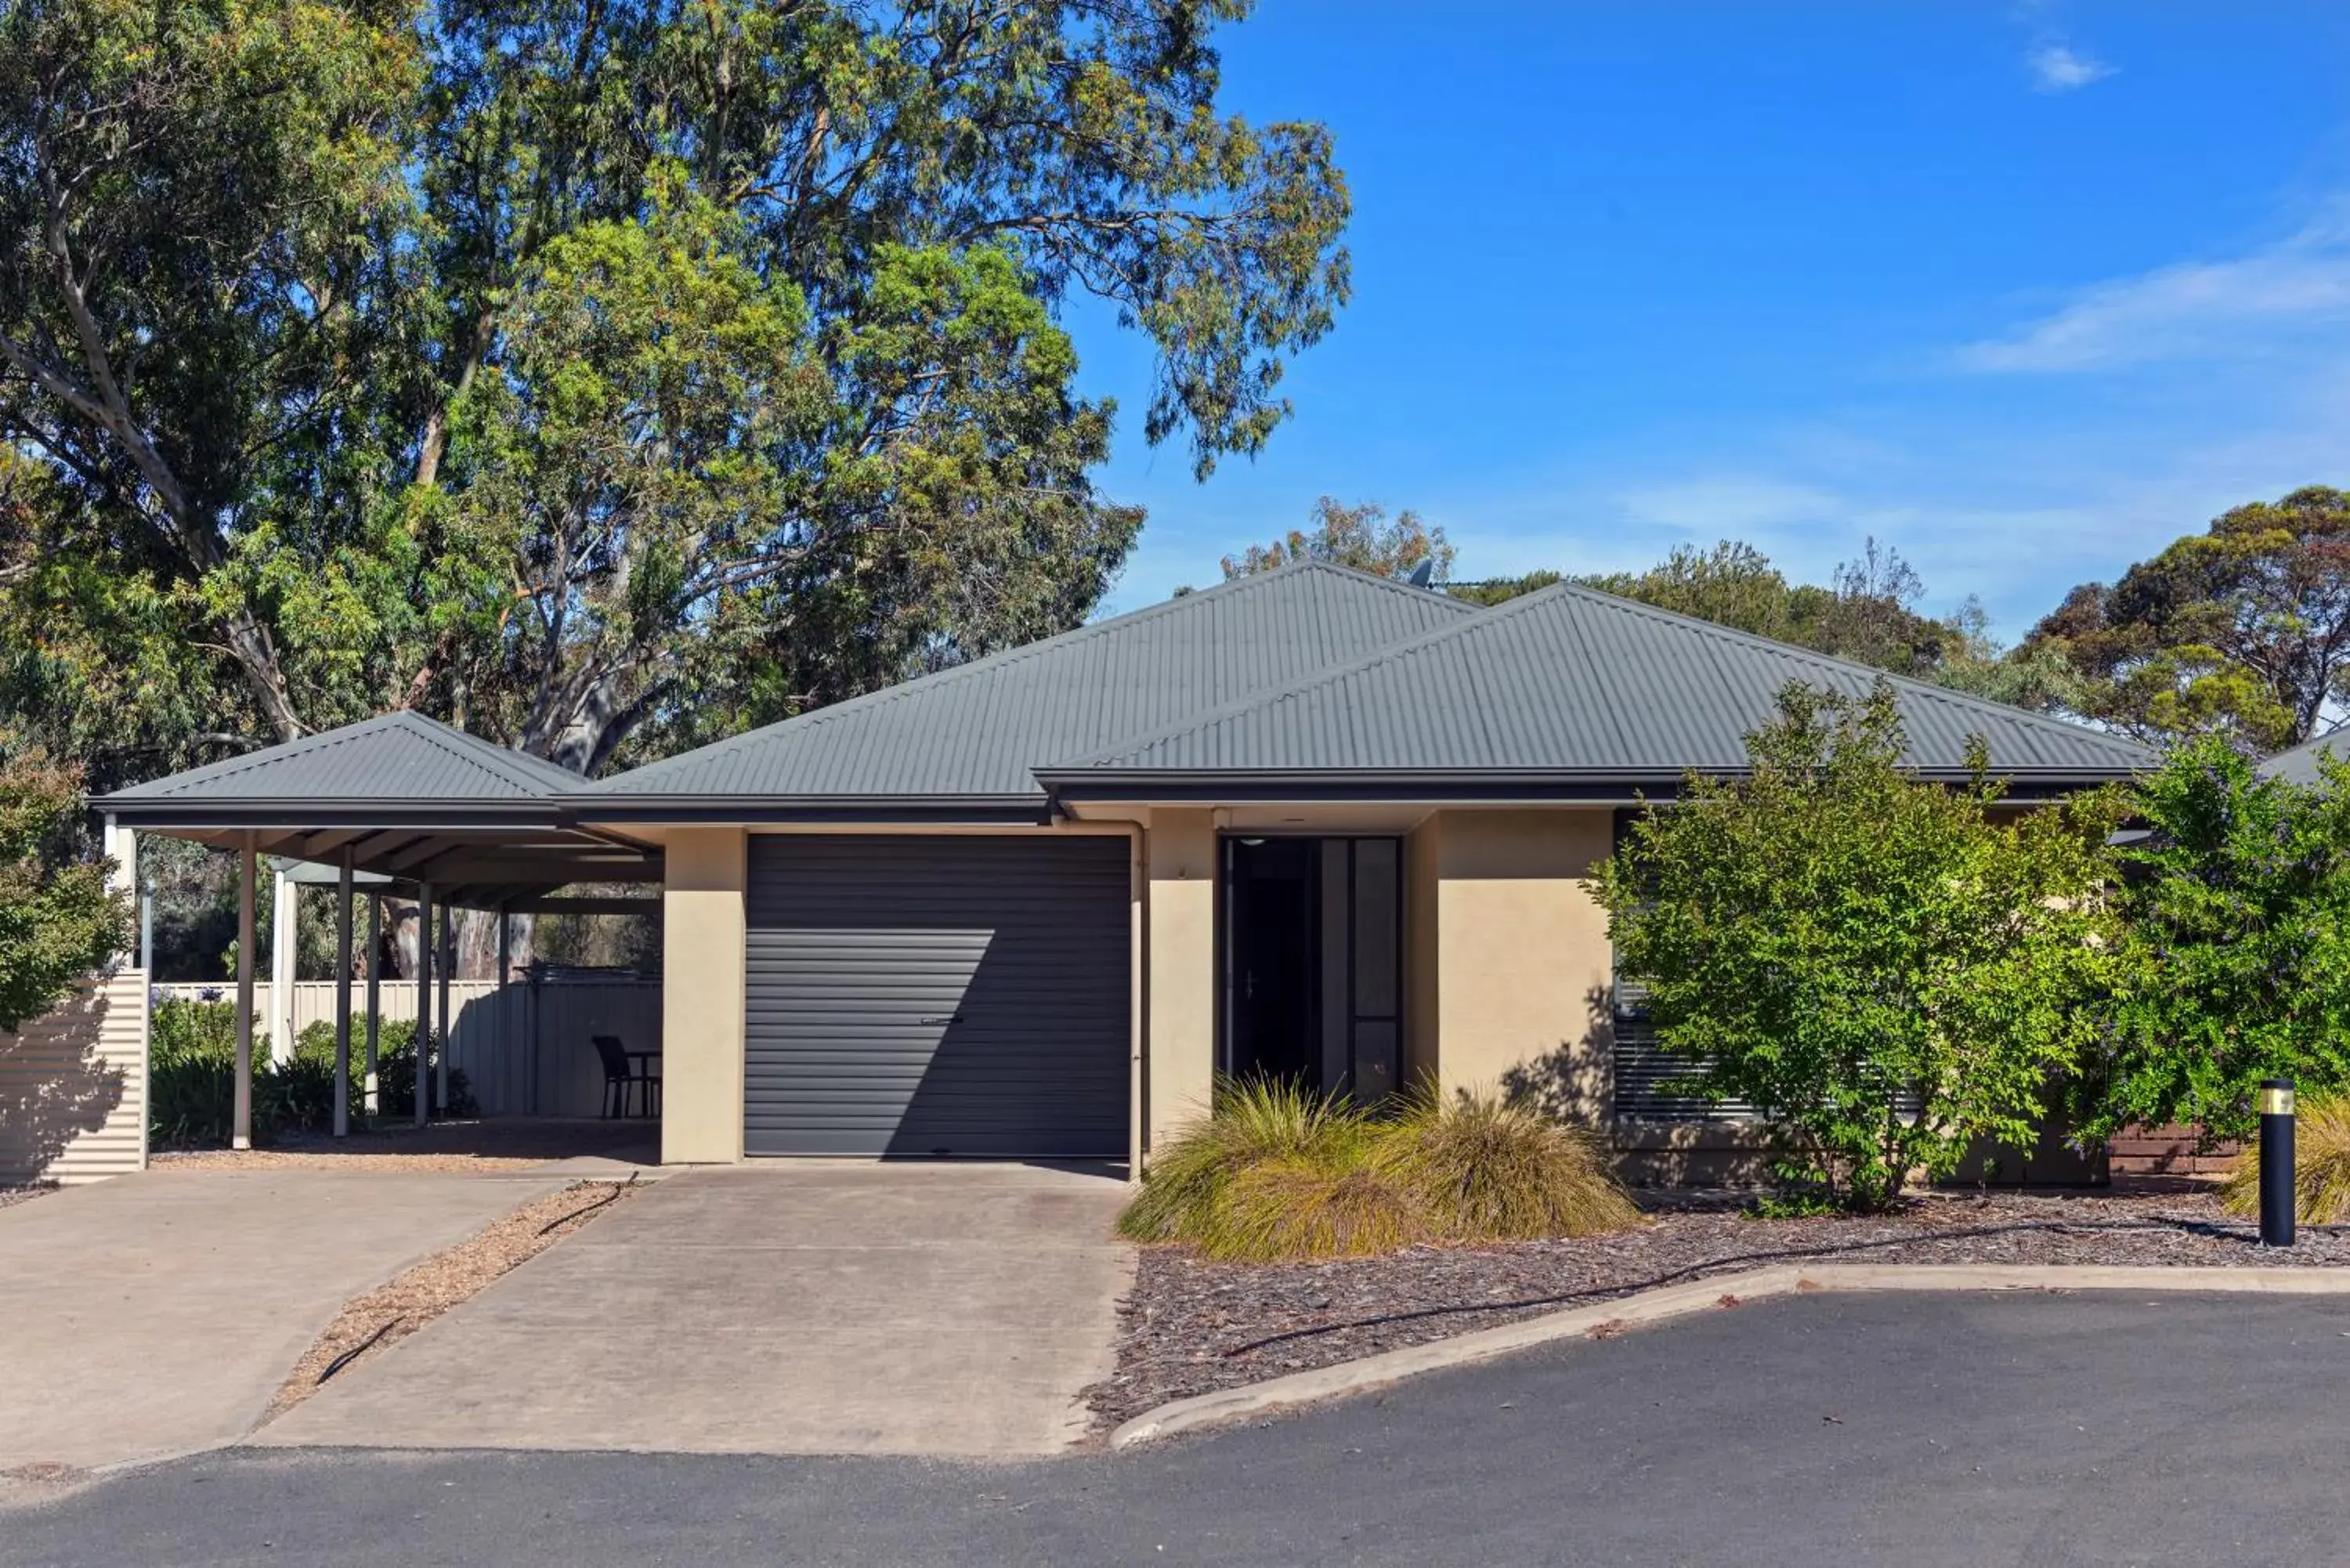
x: 1180, y: 988
x: 1510, y: 956
x: 701, y: 996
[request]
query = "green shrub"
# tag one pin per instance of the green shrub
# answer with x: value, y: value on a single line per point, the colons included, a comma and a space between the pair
x: 2321, y: 1166
x: 1275, y: 1174
x: 1889, y: 970
x: 2236, y: 962
x: 1483, y: 1168
x: 192, y: 1085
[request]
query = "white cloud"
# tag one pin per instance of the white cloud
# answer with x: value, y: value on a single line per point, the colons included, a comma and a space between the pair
x: 2057, y: 66
x: 2253, y: 305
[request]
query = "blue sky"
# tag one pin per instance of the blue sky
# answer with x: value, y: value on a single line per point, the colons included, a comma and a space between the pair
x: 2024, y: 290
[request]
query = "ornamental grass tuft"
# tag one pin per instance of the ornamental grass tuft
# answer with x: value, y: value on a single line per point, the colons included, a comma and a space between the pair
x: 2321, y: 1166
x: 1254, y: 1121
x: 1276, y: 1174
x: 1486, y: 1169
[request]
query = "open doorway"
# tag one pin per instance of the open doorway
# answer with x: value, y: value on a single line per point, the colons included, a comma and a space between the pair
x: 1313, y: 962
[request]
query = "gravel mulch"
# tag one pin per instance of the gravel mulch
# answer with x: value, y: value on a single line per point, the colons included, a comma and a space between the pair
x: 1191, y: 1327
x: 516, y: 1144
x: 373, y: 1323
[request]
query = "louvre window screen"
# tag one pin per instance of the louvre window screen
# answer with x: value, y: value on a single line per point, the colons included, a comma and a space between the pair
x: 1646, y: 1073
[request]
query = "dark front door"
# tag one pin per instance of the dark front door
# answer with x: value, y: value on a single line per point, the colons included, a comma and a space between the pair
x: 1313, y: 962
x: 1274, y: 895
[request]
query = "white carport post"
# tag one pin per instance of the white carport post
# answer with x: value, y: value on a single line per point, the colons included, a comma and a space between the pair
x: 282, y: 939
x: 343, y: 999
x: 241, y: 1123
x: 448, y: 963
x: 374, y: 994
x: 423, y: 995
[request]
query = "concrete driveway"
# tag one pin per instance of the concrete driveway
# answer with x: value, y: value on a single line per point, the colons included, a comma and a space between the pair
x: 798, y: 1307
x: 157, y: 1314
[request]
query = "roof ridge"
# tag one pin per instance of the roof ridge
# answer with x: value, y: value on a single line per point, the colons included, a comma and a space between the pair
x: 1599, y: 598
x: 1965, y: 701
x: 1403, y: 647
x: 866, y: 701
x: 434, y: 733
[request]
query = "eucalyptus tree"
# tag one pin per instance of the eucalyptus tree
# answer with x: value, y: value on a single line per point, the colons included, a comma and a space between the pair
x: 605, y: 373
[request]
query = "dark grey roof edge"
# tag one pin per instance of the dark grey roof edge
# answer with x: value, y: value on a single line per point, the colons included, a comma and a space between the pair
x: 588, y: 810
x: 262, y: 811
x: 618, y: 784
x: 1109, y: 760
x: 1487, y: 787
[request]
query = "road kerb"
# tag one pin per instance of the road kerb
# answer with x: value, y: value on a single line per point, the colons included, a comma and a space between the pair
x: 1227, y: 1405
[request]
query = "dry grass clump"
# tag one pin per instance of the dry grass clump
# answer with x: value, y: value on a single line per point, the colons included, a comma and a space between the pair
x: 1275, y: 1174
x: 1489, y: 1170
x: 1256, y: 1123
x: 2321, y: 1166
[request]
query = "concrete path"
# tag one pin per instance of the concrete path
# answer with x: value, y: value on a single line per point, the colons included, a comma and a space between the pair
x: 791, y: 1308
x: 156, y: 1314
x: 1941, y: 1431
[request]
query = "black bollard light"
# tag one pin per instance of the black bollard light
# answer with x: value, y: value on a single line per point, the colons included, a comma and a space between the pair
x: 2276, y: 1162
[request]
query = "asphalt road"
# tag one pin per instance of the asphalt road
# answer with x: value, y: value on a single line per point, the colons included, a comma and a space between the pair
x: 2100, y: 1428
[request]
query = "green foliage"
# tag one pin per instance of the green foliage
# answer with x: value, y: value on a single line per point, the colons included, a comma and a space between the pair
x: 1867, y: 614
x: 1275, y: 1174
x: 599, y: 378
x: 2236, y: 910
x: 1359, y: 536
x: 1887, y: 969
x: 58, y: 923
x: 2321, y: 1165
x: 2243, y: 630
x: 191, y: 1083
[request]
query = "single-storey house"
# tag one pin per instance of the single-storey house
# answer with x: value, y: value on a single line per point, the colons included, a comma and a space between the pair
x: 1312, y: 822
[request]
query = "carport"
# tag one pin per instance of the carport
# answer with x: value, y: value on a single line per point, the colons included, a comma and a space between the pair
x: 404, y: 807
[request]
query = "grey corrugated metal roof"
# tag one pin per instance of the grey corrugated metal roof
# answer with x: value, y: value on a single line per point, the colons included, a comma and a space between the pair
x: 980, y: 730
x: 2299, y: 765
x: 397, y: 756
x: 1573, y: 681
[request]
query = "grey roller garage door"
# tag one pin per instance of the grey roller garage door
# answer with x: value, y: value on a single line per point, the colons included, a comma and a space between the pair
x: 937, y: 995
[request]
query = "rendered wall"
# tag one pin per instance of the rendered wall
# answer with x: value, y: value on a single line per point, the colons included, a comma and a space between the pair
x: 701, y: 996
x: 1521, y: 962
x: 1180, y: 1002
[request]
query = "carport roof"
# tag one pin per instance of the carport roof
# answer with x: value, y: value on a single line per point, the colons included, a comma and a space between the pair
x: 410, y: 799
x: 401, y: 759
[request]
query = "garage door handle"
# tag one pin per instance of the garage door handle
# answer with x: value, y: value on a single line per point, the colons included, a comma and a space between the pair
x: 956, y: 1018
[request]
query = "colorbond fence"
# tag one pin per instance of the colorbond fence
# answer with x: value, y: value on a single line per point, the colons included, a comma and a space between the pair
x: 526, y: 1050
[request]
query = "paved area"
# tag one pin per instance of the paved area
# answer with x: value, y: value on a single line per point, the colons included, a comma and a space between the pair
x: 798, y: 1307
x: 154, y: 1313
x: 1928, y: 1432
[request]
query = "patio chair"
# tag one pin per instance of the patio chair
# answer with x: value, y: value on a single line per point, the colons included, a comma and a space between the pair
x: 626, y: 1070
